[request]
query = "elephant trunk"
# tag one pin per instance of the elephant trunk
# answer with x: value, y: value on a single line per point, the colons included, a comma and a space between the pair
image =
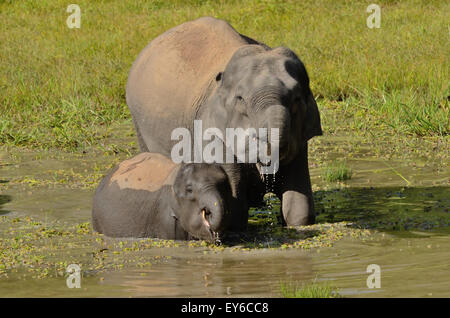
x: 277, y: 119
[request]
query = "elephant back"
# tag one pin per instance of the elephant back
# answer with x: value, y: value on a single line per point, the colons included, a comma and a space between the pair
x: 146, y: 171
x: 173, y: 75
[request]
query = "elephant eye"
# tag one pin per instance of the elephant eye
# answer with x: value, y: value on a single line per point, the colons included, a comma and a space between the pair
x: 241, y: 105
x: 189, y: 189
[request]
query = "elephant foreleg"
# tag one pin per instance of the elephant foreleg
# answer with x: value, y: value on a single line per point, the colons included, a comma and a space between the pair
x: 294, y: 190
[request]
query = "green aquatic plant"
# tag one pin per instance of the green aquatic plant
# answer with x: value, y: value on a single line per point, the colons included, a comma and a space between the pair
x: 337, y: 171
x: 308, y: 290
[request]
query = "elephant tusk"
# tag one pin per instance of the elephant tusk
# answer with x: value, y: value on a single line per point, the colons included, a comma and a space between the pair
x: 215, y: 235
x: 205, y: 221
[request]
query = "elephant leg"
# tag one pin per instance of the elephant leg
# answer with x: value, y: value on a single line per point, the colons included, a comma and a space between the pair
x: 297, y: 208
x: 294, y: 190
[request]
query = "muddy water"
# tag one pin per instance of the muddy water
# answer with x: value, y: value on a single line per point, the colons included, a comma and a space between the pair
x: 409, y: 267
x: 406, y: 201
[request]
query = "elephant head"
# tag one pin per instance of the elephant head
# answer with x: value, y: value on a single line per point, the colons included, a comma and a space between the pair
x: 266, y: 88
x: 203, y: 195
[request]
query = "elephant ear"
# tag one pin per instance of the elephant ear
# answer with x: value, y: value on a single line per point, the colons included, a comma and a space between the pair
x: 311, y: 124
x: 296, y: 69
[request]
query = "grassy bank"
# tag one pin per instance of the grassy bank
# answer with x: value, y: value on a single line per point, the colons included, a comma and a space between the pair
x: 64, y: 88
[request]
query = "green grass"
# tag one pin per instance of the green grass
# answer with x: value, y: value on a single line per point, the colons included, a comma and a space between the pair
x: 63, y: 88
x: 337, y: 171
x: 308, y: 290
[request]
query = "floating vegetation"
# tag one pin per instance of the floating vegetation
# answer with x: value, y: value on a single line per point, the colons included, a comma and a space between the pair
x: 31, y: 248
x: 265, y: 232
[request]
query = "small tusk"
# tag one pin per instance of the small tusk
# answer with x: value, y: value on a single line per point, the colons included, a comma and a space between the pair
x: 204, y: 218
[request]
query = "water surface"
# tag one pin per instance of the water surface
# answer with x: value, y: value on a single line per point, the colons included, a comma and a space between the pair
x: 406, y: 202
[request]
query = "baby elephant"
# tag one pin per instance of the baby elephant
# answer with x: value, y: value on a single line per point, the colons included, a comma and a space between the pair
x: 150, y: 196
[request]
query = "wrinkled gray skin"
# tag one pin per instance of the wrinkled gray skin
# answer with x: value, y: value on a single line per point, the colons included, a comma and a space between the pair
x: 205, y: 70
x: 192, y: 203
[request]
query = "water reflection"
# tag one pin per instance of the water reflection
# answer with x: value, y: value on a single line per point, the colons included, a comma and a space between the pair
x: 241, y: 275
x: 386, y: 208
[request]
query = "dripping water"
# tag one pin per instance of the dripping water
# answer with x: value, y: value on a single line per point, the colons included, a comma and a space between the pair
x: 269, y: 188
x: 274, y: 176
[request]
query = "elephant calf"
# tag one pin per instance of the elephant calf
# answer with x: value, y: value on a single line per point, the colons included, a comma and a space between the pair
x: 150, y: 196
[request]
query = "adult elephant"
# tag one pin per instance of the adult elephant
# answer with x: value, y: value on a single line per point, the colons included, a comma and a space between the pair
x: 205, y: 70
